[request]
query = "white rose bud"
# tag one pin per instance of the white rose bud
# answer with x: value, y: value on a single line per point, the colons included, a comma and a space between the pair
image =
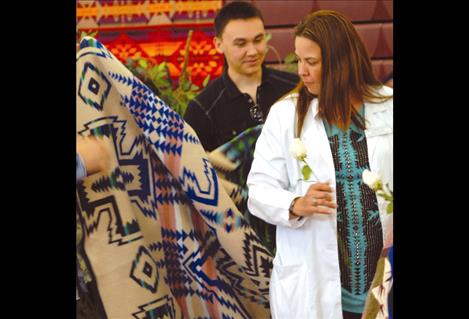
x: 297, y: 149
x: 371, y: 179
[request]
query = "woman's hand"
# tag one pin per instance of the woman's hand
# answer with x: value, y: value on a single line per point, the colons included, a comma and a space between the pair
x: 317, y: 200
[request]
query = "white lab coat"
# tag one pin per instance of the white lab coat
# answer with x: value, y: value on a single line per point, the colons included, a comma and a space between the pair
x: 305, y: 281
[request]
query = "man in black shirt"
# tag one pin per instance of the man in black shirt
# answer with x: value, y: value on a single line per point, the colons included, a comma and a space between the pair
x: 242, y: 96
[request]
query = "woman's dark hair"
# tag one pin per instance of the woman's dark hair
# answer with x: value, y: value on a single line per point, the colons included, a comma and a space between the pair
x: 235, y: 11
x: 347, y: 73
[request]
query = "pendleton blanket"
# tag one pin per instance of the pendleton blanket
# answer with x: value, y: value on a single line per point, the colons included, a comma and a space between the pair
x: 233, y: 161
x: 380, y: 296
x: 161, y: 236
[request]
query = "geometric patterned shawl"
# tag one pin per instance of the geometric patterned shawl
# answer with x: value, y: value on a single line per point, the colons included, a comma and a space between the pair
x: 380, y: 295
x: 233, y: 161
x: 379, y: 300
x: 161, y: 236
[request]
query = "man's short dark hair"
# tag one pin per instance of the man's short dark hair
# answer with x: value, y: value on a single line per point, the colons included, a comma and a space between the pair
x: 234, y: 11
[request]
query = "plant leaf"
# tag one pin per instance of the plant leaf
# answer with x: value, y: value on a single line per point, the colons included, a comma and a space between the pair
x: 153, y: 72
x: 306, y: 171
x: 389, y: 189
x: 161, y: 66
x: 390, y: 207
x: 290, y: 58
x: 206, y: 80
x: 143, y: 63
x: 186, y: 86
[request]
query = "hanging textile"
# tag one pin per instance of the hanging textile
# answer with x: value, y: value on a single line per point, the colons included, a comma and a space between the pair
x: 161, y: 236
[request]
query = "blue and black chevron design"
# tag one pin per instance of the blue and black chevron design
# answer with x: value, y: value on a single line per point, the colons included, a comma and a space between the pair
x: 207, y: 195
x: 162, y: 308
x: 88, y: 42
x: 94, y: 87
x: 141, y: 181
x: 168, y: 191
x: 358, y: 222
x: 132, y: 176
x: 144, y: 270
x: 117, y: 180
x: 144, y: 106
x: 208, y: 288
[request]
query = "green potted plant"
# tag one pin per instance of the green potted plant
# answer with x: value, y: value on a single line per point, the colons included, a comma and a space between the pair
x: 156, y: 77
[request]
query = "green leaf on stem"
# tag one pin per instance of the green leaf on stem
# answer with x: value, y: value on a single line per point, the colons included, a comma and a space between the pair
x: 306, y: 171
x: 290, y: 58
x: 207, y: 78
x: 390, y: 208
x: 143, y: 63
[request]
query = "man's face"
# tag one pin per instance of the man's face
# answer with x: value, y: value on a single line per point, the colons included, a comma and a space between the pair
x: 244, y: 45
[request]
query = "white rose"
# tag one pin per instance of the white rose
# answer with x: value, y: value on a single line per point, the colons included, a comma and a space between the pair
x: 297, y: 149
x: 371, y: 179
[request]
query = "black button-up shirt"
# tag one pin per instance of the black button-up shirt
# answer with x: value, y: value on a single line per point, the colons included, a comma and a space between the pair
x: 221, y: 111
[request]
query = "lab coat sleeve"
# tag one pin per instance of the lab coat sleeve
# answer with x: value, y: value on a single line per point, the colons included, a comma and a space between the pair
x: 268, y: 182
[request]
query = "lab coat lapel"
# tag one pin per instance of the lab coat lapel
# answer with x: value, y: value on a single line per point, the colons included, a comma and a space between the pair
x: 315, y: 139
x: 374, y: 127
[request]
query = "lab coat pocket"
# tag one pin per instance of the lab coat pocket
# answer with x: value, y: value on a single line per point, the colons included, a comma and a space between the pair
x: 288, y: 290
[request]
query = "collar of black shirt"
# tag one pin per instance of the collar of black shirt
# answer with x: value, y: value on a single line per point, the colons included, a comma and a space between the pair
x: 232, y: 89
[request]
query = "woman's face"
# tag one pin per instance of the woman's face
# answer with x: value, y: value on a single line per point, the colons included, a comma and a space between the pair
x: 309, y: 63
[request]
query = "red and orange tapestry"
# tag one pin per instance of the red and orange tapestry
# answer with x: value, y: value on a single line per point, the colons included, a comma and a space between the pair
x: 157, y: 31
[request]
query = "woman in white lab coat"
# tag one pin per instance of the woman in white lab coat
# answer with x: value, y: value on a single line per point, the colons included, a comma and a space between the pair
x: 330, y: 226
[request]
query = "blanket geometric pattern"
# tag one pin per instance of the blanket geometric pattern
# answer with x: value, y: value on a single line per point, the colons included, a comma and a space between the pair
x: 379, y: 299
x: 380, y: 295
x: 161, y: 236
x: 233, y: 161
